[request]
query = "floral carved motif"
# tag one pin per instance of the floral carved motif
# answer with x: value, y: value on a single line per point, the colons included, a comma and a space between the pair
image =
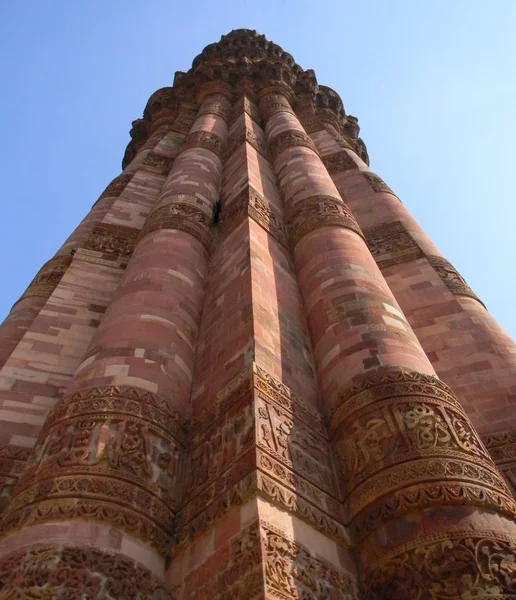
x: 377, y: 183
x: 157, y: 163
x: 339, y: 162
x: 204, y: 139
x: 184, y: 212
x: 289, y: 139
x: 457, y: 565
x: 48, y: 277
x: 391, y: 244
x: 451, y: 277
x: 50, y: 571
x: 319, y: 211
x: 249, y: 136
x: 250, y: 203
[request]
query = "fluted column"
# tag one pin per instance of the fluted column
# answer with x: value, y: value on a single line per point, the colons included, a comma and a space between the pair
x: 425, y: 502
x: 110, y: 451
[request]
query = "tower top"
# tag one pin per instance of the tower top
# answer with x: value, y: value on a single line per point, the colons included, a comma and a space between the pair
x: 245, y: 61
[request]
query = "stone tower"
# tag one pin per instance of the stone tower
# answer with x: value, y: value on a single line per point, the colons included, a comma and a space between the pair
x: 249, y: 374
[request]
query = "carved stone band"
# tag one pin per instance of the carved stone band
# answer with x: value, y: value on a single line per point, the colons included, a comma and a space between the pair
x: 274, y: 103
x: 157, y: 163
x: 235, y: 141
x: 115, y: 240
x: 46, y: 571
x: 377, y: 183
x: 289, y: 139
x: 48, y: 277
x: 452, y: 278
x: 250, y: 203
x: 391, y: 244
x: 339, y: 162
x: 204, y: 139
x: 107, y: 454
x: 184, y: 212
x: 216, y: 105
x: 460, y: 564
x: 316, y: 212
x: 116, y: 187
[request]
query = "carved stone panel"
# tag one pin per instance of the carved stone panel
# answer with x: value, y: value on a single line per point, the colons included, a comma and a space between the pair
x: 339, y: 162
x: 377, y: 183
x: 157, y: 163
x: 451, y: 277
x: 391, y: 244
x: 48, y: 277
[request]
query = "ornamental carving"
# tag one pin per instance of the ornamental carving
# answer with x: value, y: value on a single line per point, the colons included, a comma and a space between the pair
x: 294, y: 445
x: 319, y: 211
x: 274, y: 103
x: 157, y: 163
x: 293, y: 571
x: 377, y: 183
x: 462, y: 564
x: 105, y: 453
x: 183, y: 212
x: 51, y: 571
x: 116, y: 187
x: 451, y: 277
x: 501, y: 446
x: 289, y: 139
x: 339, y: 162
x: 207, y: 140
x: 238, y: 574
x: 250, y: 203
x: 246, y: 105
x: 391, y: 244
x: 251, y: 138
x: 217, y: 104
x: 48, y: 277
x: 112, y: 239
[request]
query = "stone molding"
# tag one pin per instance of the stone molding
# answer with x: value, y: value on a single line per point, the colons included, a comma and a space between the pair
x: 48, y: 277
x: 290, y: 139
x: 157, y: 163
x: 111, y: 454
x: 235, y: 141
x: 459, y: 564
x: 184, y: 212
x: 319, y: 211
x: 249, y: 203
x: 451, y: 278
x: 116, y: 187
x: 273, y: 451
x: 339, y: 162
x: 206, y: 140
x: 216, y: 104
x: 391, y: 244
x: 377, y: 183
x: 113, y: 240
x: 404, y: 443
x: 47, y: 571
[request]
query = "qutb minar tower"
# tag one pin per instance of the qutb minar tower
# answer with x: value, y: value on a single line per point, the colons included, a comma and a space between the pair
x: 249, y: 374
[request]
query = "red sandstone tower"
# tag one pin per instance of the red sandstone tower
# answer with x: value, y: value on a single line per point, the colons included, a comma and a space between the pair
x: 249, y: 373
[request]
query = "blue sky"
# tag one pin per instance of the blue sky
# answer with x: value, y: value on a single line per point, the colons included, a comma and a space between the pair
x: 432, y: 83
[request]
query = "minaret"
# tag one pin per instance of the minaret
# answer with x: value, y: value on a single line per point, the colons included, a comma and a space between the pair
x: 249, y: 374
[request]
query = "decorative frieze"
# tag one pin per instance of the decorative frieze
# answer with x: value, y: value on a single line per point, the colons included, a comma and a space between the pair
x: 47, y: 571
x: 289, y: 139
x: 204, y: 139
x: 109, y: 454
x: 391, y: 244
x: 458, y: 564
x: 252, y: 139
x: 250, y: 203
x: 451, y: 277
x: 377, y: 183
x: 157, y: 163
x: 48, y: 277
x: 184, y: 212
x: 217, y: 104
x: 339, y: 162
x: 319, y: 211
x: 404, y: 443
x: 115, y: 240
x: 116, y: 187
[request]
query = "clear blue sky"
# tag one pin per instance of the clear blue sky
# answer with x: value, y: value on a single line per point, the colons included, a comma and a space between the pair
x: 432, y: 83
